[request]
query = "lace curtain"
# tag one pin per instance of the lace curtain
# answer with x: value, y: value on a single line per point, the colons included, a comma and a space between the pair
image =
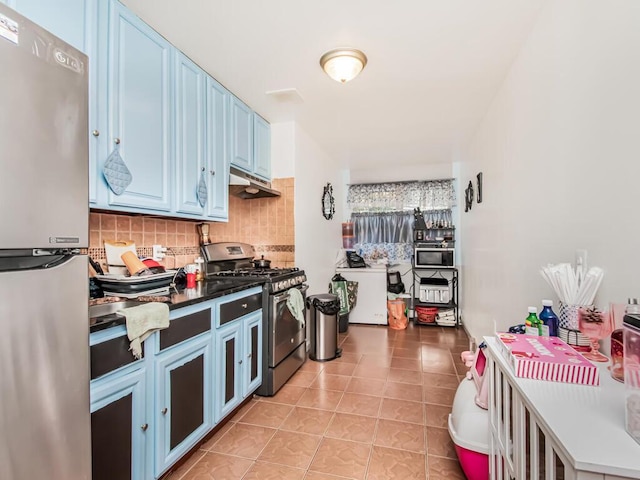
x: 383, y: 215
x: 399, y: 196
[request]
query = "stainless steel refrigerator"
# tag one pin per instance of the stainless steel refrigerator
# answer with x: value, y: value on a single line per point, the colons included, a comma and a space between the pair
x: 44, y: 355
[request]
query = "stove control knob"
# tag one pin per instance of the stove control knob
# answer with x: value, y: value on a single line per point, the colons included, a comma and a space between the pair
x: 277, y: 286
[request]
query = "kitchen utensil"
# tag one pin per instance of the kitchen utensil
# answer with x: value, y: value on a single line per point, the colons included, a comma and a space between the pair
x: 96, y: 266
x: 135, y: 265
x: 261, y: 262
x: 203, y: 231
x: 154, y: 266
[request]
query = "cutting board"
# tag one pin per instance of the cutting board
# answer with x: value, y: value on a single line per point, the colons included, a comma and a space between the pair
x: 114, y: 250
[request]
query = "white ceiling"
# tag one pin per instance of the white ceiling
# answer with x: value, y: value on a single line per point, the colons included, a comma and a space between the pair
x: 434, y: 65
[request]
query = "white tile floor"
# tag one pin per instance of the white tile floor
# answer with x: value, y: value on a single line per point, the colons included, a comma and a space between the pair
x: 378, y: 412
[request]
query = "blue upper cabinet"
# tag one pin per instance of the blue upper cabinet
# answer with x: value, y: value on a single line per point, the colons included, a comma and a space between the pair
x: 217, y: 128
x: 250, y: 141
x: 241, y: 136
x: 139, y: 108
x: 262, y: 147
x: 63, y: 18
x: 175, y: 128
x: 191, y: 175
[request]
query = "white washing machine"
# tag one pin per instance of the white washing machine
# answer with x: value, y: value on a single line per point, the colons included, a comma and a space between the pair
x: 371, y: 304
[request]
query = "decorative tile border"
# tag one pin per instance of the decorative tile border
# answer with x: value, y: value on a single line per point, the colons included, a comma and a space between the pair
x: 142, y: 252
x: 275, y: 248
x: 100, y: 254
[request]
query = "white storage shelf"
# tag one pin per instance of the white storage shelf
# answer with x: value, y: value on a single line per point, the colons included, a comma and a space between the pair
x: 552, y: 431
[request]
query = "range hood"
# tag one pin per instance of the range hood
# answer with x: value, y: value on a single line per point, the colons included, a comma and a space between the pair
x: 245, y: 185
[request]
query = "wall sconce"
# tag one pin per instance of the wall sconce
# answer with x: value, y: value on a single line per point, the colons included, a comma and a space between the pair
x: 343, y: 64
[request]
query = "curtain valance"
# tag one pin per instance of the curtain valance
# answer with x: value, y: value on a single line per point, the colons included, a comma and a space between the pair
x: 399, y: 196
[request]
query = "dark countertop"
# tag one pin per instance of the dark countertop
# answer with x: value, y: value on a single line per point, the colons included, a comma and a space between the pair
x: 182, y: 297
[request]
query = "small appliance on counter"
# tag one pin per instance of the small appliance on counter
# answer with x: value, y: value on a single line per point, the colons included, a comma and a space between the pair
x: 435, y: 290
x: 394, y: 282
x: 203, y: 232
x: 433, y: 255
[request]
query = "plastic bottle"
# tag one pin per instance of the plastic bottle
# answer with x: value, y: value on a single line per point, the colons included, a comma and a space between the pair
x: 548, y: 319
x: 532, y: 323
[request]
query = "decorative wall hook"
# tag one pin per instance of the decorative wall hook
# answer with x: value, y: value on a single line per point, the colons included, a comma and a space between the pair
x: 328, y: 203
x: 468, y: 197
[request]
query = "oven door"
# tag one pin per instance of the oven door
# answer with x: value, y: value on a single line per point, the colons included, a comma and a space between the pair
x: 434, y: 257
x: 285, y: 332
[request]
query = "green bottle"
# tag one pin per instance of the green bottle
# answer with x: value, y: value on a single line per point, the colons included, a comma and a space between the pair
x: 532, y: 322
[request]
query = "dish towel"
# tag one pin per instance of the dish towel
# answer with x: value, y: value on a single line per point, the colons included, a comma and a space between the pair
x: 295, y: 303
x: 142, y: 321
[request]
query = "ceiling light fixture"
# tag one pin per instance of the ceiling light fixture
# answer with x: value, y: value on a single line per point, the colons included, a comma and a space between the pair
x: 343, y: 64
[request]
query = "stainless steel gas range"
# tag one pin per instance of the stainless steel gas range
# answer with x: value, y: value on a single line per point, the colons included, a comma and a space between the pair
x: 284, y: 348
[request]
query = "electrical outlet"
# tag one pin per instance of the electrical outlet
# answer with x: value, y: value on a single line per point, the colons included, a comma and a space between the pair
x: 158, y: 252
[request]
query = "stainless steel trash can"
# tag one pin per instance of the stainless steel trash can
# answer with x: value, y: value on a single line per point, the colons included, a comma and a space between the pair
x: 322, y: 325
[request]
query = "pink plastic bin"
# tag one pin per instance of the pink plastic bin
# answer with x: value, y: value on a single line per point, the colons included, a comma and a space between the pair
x: 469, y: 430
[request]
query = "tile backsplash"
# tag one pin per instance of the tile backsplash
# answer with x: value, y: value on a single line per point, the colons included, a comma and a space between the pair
x: 266, y: 223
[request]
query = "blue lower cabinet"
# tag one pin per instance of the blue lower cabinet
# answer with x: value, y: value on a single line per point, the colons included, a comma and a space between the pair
x: 119, y: 426
x: 238, y: 344
x: 183, y: 401
x: 252, y: 372
x: 228, y: 378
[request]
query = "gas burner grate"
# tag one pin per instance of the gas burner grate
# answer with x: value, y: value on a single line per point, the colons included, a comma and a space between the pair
x: 257, y: 272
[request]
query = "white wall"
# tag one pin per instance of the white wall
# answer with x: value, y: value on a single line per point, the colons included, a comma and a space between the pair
x: 399, y: 173
x: 559, y: 149
x: 283, y: 149
x: 296, y: 154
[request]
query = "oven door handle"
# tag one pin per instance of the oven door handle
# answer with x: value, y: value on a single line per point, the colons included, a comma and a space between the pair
x: 283, y: 296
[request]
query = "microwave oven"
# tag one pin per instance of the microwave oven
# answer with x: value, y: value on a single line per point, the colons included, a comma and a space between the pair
x: 433, y: 257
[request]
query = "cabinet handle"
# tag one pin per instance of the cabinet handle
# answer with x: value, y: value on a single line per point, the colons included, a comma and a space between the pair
x: 96, y: 133
x: 250, y: 355
x: 213, y: 172
x: 116, y: 141
x: 244, y: 305
x: 202, y: 169
x: 164, y: 411
x: 144, y: 427
x: 240, y: 362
